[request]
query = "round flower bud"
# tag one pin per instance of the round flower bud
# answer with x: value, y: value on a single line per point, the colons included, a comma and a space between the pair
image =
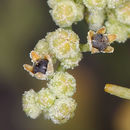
x: 62, y: 110
x: 80, y: 12
x: 45, y: 98
x: 71, y: 62
x: 115, y: 3
x: 63, y: 43
x: 123, y: 13
x: 95, y: 19
x: 64, y: 13
x: 94, y: 4
x: 62, y: 84
x: 42, y: 47
x: 115, y: 27
x: 29, y: 104
x: 52, y: 3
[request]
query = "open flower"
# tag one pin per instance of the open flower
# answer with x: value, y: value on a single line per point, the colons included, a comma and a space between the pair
x: 42, y: 66
x: 100, y: 42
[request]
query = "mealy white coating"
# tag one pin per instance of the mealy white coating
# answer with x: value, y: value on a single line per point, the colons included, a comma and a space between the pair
x: 45, y: 99
x: 62, y: 84
x: 62, y: 110
x: 63, y: 43
x: 64, y: 13
x: 29, y: 104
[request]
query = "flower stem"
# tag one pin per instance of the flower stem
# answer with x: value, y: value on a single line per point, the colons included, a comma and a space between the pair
x: 84, y: 47
x: 68, y: 28
x: 61, y: 68
x: 119, y: 91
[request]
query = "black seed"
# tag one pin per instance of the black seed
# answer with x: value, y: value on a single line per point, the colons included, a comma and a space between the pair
x: 100, y: 41
x: 40, y: 66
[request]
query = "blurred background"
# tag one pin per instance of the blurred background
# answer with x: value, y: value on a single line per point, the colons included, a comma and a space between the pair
x: 22, y: 24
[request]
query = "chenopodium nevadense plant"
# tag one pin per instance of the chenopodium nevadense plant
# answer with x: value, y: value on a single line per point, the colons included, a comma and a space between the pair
x: 108, y: 20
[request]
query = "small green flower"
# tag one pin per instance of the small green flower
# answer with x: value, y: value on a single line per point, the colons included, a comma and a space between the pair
x: 29, y: 104
x: 62, y: 84
x: 95, y: 4
x: 113, y: 26
x: 62, y: 110
x: 45, y: 98
x: 80, y: 12
x: 66, y: 12
x: 123, y: 13
x: 71, y: 62
x: 42, y: 47
x: 115, y: 3
x: 95, y: 19
x: 63, y: 43
x: 52, y: 3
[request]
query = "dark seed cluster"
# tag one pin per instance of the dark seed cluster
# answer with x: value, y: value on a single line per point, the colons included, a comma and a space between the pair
x: 100, y: 41
x: 40, y: 66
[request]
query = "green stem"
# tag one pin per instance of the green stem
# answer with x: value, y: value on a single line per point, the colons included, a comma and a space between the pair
x: 61, y: 68
x: 68, y: 28
x: 78, y: 1
x: 84, y: 47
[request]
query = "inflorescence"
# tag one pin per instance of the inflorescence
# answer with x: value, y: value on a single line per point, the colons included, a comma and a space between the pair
x: 108, y: 20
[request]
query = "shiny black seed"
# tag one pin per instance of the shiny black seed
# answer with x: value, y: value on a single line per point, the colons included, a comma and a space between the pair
x: 40, y: 66
x: 100, y: 41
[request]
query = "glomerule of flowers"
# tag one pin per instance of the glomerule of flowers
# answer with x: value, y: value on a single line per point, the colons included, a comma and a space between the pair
x: 108, y: 21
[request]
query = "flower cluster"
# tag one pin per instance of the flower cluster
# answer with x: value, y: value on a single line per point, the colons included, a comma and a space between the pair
x: 109, y: 20
x: 114, y: 14
x: 62, y: 47
x: 55, y: 102
x: 66, y: 12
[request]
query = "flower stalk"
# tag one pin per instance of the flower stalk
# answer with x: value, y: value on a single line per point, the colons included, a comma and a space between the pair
x: 84, y: 47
